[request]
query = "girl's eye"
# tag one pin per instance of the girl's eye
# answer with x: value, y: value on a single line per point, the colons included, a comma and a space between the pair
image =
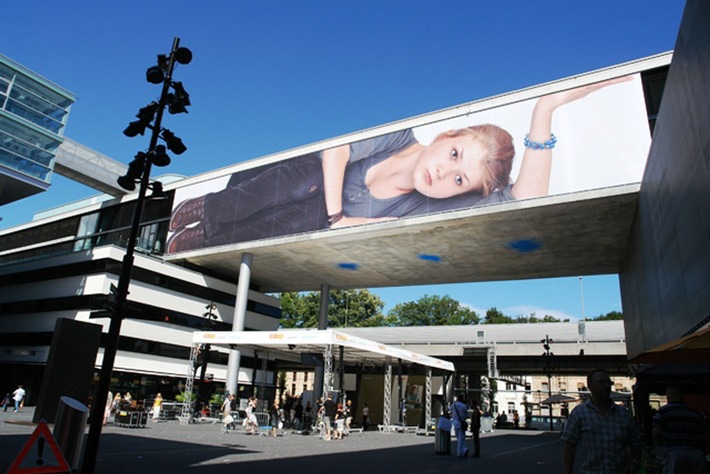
x: 459, y: 180
x: 454, y: 154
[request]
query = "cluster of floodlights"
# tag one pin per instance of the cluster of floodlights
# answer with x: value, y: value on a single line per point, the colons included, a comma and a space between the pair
x: 176, y: 99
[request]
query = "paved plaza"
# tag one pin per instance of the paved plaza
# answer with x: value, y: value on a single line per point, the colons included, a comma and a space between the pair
x: 204, y: 448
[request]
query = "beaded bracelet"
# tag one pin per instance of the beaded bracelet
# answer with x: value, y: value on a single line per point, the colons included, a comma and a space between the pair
x: 548, y: 145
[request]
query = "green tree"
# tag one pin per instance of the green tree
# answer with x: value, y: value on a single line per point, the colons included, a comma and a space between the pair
x: 611, y: 316
x: 351, y: 308
x: 354, y: 308
x: 431, y: 311
x: 300, y: 310
x: 495, y: 316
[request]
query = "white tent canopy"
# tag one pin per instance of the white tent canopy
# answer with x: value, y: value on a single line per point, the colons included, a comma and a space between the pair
x: 297, y: 341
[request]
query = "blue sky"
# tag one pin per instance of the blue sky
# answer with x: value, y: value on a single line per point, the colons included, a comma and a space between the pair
x: 272, y: 75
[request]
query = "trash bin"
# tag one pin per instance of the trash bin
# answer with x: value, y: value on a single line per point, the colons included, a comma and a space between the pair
x: 442, y: 437
x: 69, y: 428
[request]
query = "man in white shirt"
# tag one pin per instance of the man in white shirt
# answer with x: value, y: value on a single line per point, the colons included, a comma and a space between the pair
x: 18, y: 395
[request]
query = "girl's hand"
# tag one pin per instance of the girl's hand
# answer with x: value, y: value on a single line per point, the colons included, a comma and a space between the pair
x: 558, y: 99
x: 348, y: 221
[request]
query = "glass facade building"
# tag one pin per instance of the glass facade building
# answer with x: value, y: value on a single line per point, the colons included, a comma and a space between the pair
x: 33, y: 115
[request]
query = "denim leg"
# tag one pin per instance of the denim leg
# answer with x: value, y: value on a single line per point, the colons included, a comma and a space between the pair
x: 460, y: 442
x: 290, y: 218
x: 252, y: 192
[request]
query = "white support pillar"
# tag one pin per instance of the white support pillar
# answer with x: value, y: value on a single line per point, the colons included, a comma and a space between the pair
x: 240, y: 311
x: 386, y: 417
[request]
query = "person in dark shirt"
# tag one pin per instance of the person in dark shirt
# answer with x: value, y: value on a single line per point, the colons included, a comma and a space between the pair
x: 683, y: 432
x: 328, y: 411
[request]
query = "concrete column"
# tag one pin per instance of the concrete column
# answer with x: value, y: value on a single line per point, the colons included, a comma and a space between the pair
x: 240, y: 310
x: 324, y: 302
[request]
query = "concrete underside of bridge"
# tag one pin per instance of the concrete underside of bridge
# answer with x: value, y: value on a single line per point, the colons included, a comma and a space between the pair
x: 583, y: 233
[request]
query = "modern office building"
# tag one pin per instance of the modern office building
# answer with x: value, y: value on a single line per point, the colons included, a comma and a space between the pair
x: 33, y: 114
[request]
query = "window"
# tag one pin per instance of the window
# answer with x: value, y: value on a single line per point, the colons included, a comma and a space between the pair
x: 511, y: 407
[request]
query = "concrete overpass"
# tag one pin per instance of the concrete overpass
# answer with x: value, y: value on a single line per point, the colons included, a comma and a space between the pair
x: 508, y: 349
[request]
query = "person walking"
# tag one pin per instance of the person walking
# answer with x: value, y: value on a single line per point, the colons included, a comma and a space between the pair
x: 157, y: 405
x: 682, y: 431
x: 18, y: 395
x: 327, y: 411
x: 476, y: 428
x: 6, y: 401
x: 459, y: 415
x: 606, y: 432
x: 365, y: 416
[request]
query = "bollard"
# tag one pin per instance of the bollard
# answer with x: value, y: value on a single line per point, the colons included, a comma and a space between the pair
x: 69, y: 429
x: 442, y: 437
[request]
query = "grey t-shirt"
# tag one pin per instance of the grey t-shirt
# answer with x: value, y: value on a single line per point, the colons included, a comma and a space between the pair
x: 358, y: 202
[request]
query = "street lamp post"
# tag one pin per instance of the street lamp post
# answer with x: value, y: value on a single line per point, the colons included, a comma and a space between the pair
x: 548, y: 369
x: 138, y: 171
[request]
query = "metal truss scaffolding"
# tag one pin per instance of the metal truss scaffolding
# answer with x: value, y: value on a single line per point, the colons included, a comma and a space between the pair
x: 388, y: 394
x: 427, y: 397
x: 186, y: 414
x: 327, y: 370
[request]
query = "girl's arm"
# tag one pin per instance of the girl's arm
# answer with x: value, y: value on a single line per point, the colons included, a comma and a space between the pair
x: 335, y: 160
x: 534, y: 177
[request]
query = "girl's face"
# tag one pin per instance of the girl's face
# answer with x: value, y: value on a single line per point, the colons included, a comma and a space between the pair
x: 450, y: 166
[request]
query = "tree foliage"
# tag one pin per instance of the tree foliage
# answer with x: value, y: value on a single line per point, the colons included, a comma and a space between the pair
x: 431, y: 311
x: 351, y: 308
x: 495, y: 316
x: 610, y: 316
x: 361, y: 308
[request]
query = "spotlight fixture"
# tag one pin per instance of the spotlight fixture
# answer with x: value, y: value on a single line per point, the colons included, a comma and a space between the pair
x: 183, y: 55
x: 158, y: 156
x: 154, y: 75
x: 181, y: 93
x: 134, y: 173
x: 163, y: 62
x: 157, y: 193
x: 175, y: 105
x: 145, y: 116
x: 174, y: 143
x: 178, y: 101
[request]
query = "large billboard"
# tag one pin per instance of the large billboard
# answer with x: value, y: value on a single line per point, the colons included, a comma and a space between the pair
x: 574, y: 140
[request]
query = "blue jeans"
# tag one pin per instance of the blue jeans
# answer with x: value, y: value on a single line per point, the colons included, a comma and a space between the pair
x: 461, y: 449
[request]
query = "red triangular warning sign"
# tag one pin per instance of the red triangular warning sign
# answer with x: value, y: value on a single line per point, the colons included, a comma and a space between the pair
x: 40, y: 454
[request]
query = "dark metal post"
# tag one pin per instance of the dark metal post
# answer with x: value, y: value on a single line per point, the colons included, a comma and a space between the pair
x: 114, y: 331
x: 548, y: 369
